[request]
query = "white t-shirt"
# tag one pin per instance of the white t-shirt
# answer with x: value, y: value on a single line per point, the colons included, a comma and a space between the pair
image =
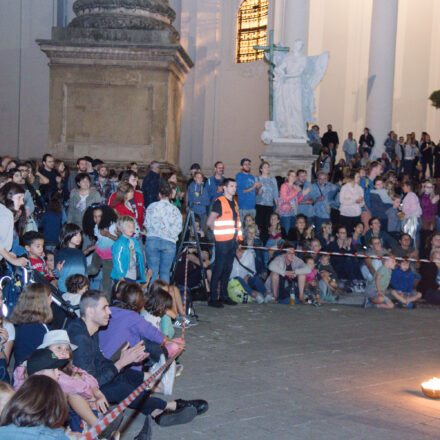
x: 10, y: 329
x: 6, y: 228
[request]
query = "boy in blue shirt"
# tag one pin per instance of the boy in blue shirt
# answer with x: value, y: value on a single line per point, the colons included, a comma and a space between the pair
x: 402, y: 281
x: 247, y: 187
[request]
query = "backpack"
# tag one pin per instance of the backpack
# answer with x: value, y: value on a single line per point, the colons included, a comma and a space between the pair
x: 237, y: 292
x: 12, y: 283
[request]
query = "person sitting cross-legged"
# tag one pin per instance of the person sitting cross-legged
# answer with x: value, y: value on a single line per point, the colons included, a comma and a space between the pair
x: 114, y: 379
x: 243, y: 270
x: 283, y: 270
x: 376, y: 289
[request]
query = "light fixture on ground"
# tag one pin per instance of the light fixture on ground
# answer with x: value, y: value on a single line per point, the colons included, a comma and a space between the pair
x: 431, y: 388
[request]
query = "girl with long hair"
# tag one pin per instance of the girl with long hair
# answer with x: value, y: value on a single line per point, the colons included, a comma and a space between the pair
x: 12, y: 221
x: 99, y: 223
x: 31, y: 317
x: 69, y: 259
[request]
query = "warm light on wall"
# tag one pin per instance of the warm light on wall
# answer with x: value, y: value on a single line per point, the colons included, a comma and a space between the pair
x: 251, y: 30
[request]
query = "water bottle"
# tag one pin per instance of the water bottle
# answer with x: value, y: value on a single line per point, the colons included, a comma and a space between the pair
x: 292, y: 296
x: 245, y: 298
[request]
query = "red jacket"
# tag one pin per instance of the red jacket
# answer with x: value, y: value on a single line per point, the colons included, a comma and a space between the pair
x: 121, y: 209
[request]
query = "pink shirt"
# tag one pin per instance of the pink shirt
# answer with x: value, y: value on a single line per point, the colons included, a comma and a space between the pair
x: 411, y: 205
x: 311, y: 276
x: 69, y: 384
x: 348, y: 196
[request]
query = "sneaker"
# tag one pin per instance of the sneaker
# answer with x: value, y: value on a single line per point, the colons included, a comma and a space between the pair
x: 215, y: 303
x: 189, y: 322
x: 269, y: 299
x: 179, y: 369
x: 260, y: 299
x: 178, y: 417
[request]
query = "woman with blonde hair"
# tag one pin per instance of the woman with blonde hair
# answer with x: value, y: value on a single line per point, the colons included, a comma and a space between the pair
x: 352, y: 200
x: 31, y: 318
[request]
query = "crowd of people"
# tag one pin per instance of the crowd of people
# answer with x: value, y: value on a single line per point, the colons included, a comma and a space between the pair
x: 106, y: 242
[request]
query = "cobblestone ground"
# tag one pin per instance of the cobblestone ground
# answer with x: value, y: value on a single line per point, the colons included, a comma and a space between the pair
x: 336, y: 372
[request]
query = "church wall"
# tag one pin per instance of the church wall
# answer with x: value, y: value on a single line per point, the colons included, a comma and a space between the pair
x: 343, y: 28
x: 24, y: 76
x: 225, y: 104
x: 417, y: 72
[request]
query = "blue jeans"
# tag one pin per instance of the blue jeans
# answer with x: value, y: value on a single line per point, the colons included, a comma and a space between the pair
x: 254, y: 284
x: 160, y: 255
x: 287, y: 223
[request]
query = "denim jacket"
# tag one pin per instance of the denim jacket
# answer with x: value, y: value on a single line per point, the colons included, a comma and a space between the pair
x: 121, y: 259
x: 31, y: 432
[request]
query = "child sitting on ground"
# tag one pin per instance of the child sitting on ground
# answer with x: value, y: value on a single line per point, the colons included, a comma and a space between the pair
x: 329, y: 289
x: 76, y: 285
x: 34, y: 244
x: 402, y: 281
x: 376, y: 289
x: 311, y: 290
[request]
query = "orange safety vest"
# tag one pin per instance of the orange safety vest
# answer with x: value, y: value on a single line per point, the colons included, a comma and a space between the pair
x: 224, y: 225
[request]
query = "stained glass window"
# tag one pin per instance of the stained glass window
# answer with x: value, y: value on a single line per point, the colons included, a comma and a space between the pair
x: 252, y: 30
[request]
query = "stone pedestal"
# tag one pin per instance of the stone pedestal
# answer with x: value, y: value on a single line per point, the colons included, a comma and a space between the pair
x: 284, y: 156
x: 116, y: 77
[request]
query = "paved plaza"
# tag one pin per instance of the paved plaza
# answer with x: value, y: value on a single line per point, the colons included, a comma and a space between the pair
x: 335, y: 372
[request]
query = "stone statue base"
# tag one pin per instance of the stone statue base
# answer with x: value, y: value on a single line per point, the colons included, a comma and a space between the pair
x: 284, y: 156
x: 118, y: 101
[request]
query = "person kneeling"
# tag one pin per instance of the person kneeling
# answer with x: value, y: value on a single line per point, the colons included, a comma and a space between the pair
x: 375, y: 291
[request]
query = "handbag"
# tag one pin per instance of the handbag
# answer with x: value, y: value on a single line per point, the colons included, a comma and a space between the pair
x: 288, y: 208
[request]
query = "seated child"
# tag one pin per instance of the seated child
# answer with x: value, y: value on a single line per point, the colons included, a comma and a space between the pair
x: 54, y: 358
x: 402, y: 281
x: 243, y: 270
x: 325, y: 235
x: 76, y: 285
x: 311, y: 290
x: 329, y: 289
x: 157, y: 302
x: 34, y: 244
x: 376, y: 289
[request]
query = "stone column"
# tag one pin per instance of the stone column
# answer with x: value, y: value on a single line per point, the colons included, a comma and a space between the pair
x: 381, y: 71
x: 296, y: 22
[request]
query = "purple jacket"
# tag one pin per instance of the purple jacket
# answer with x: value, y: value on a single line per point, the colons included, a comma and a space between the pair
x: 126, y: 326
x: 429, y: 209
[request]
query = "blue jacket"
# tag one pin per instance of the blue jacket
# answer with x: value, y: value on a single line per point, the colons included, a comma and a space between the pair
x: 402, y: 280
x: 211, y: 187
x: 197, y: 198
x: 121, y: 258
x: 306, y: 209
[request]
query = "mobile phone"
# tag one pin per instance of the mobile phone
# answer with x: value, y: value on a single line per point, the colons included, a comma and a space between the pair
x: 117, y: 354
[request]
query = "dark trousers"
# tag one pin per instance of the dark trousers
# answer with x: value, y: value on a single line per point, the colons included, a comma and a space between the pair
x: 123, y: 384
x: 262, y: 220
x: 224, y: 258
x: 349, y: 222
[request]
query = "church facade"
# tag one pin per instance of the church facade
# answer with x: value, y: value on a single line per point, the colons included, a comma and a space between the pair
x: 384, y: 64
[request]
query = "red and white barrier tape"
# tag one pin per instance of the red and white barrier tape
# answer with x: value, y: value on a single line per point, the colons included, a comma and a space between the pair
x: 340, y: 254
x: 96, y: 429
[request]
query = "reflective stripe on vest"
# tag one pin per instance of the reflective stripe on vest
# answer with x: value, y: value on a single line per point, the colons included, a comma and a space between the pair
x: 224, y: 226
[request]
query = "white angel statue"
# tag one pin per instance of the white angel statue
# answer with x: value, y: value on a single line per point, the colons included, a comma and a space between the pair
x: 295, y: 77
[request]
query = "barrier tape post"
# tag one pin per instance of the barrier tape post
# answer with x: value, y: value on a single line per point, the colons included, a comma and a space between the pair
x: 185, y: 289
x: 96, y: 429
